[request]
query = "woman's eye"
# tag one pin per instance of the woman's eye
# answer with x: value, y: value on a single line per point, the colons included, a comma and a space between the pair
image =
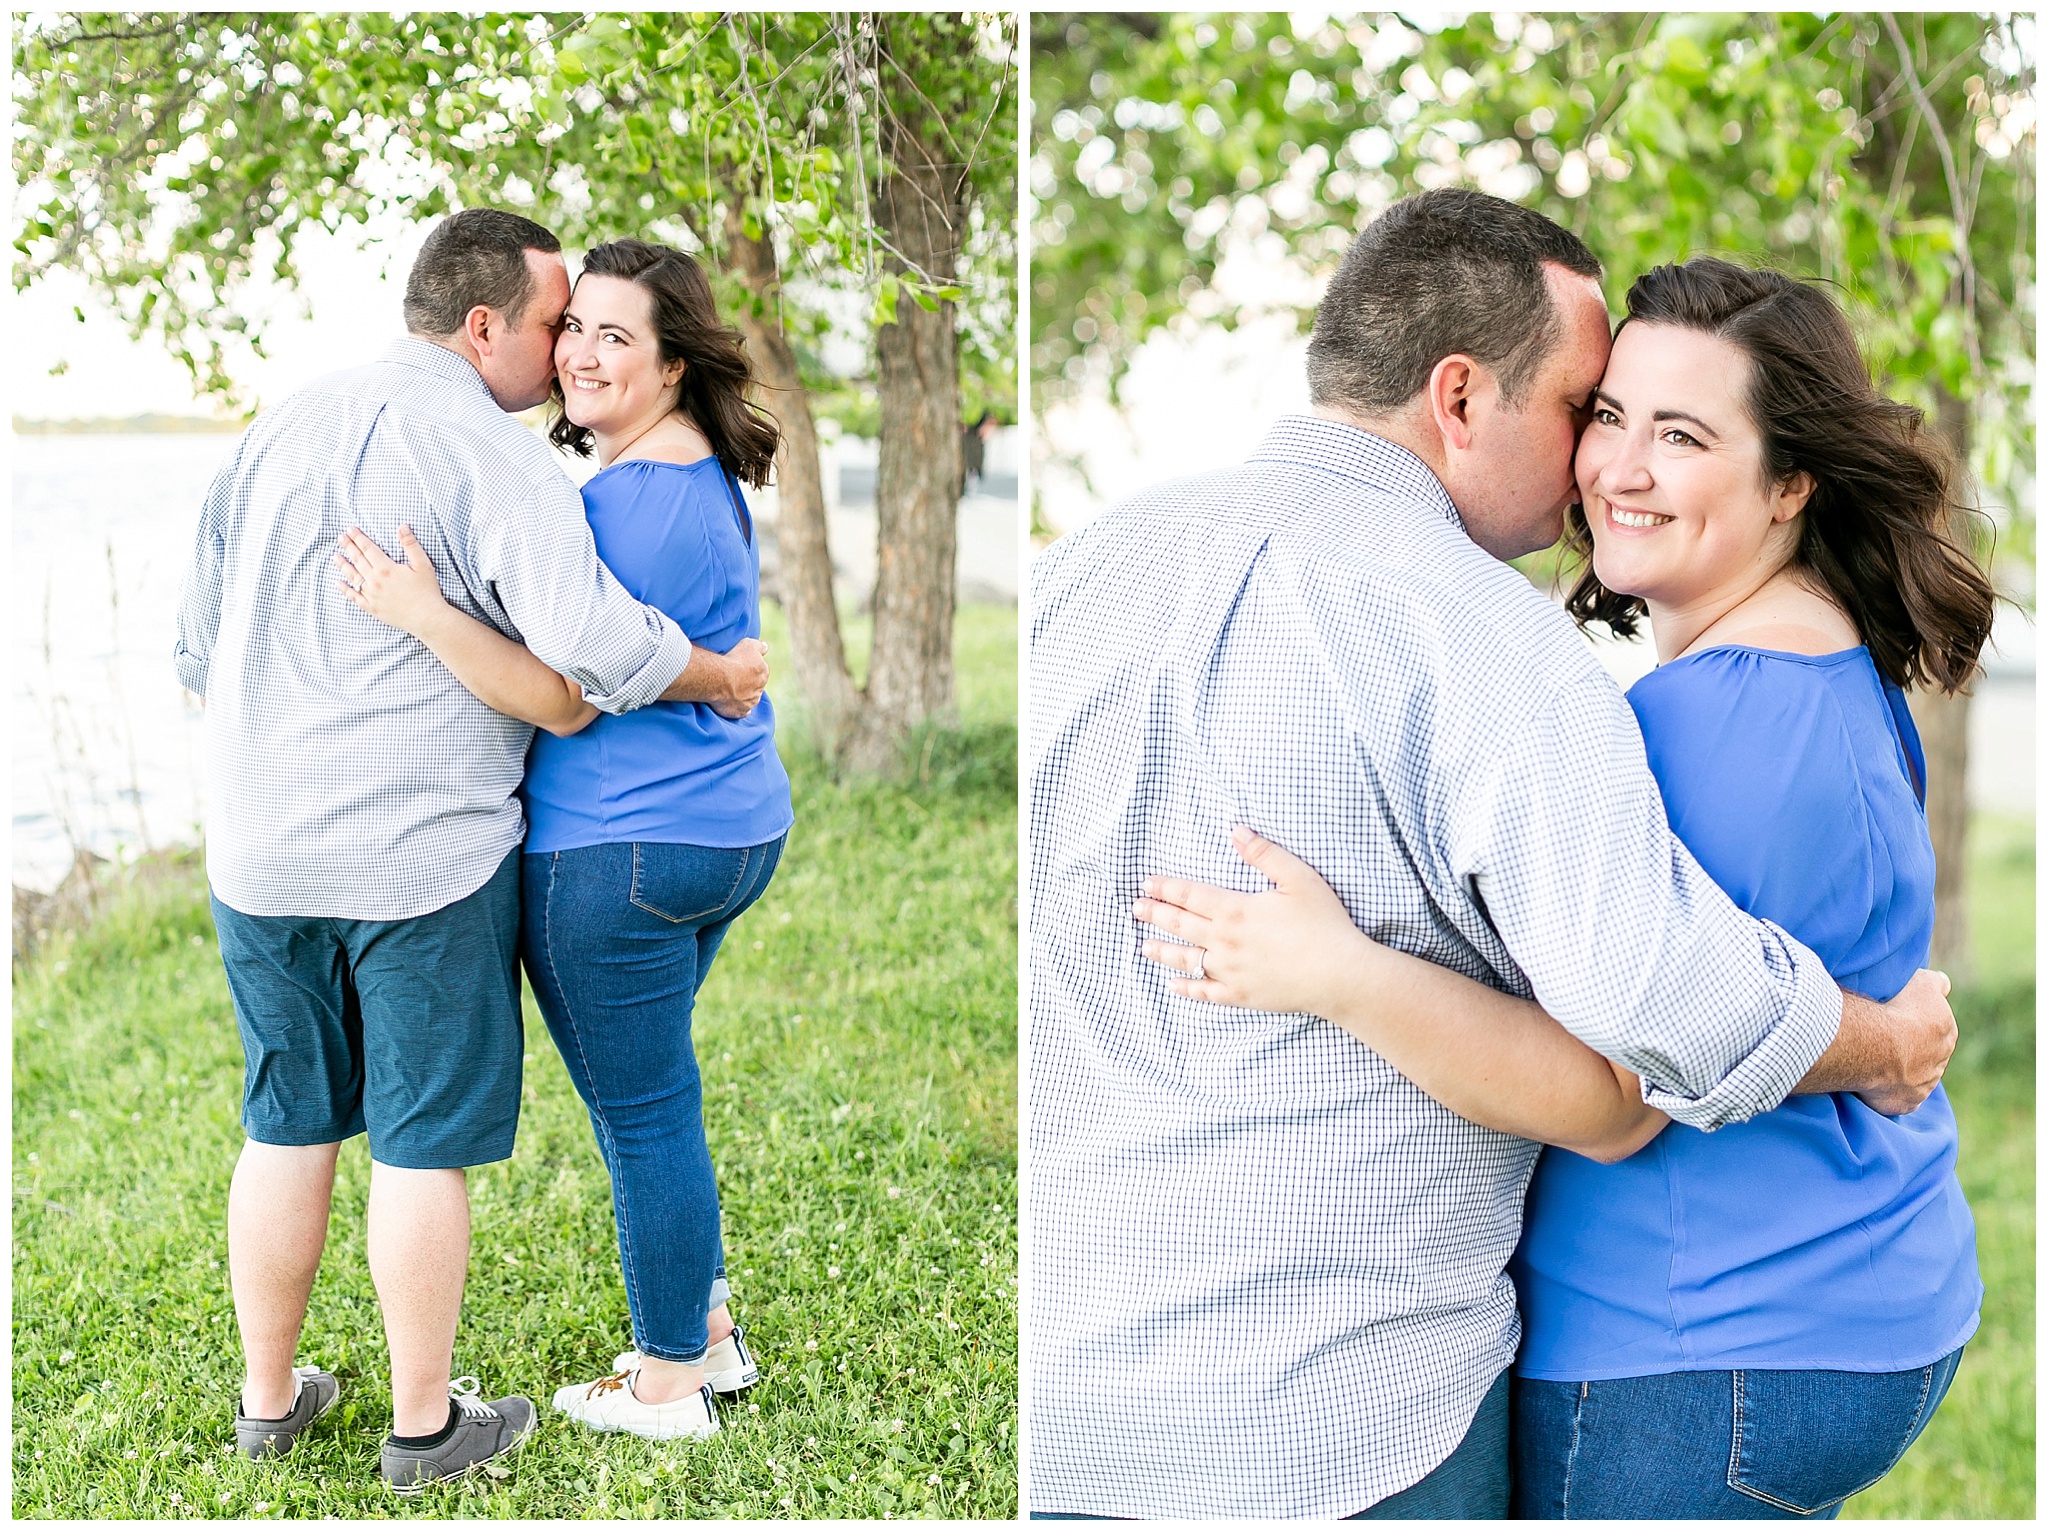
x: 1680, y: 439
x: 1605, y: 416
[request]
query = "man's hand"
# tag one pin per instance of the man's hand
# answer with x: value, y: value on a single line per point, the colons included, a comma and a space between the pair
x: 1890, y: 1055
x: 730, y: 683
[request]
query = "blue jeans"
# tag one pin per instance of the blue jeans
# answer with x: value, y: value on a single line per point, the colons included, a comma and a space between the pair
x: 1722, y: 1446
x: 617, y: 940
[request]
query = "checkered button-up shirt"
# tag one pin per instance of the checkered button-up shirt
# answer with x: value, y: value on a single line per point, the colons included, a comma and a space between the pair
x: 1266, y: 1272
x: 349, y: 773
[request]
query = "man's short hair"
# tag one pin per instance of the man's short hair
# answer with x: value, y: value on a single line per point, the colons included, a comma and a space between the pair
x: 1443, y: 273
x: 475, y: 257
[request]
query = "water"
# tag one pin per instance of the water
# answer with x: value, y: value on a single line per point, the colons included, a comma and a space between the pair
x: 107, y: 750
x: 107, y: 745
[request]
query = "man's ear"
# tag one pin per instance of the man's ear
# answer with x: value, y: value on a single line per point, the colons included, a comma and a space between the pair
x: 478, y: 325
x: 1451, y: 387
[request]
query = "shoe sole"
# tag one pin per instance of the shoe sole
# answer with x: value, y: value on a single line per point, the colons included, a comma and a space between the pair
x: 651, y: 1436
x: 420, y: 1486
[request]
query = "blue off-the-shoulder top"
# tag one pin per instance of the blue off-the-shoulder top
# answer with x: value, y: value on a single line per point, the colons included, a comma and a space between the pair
x: 676, y: 536
x: 1821, y: 1234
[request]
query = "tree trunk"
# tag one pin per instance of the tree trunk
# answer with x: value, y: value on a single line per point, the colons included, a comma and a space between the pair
x: 1944, y: 724
x: 818, y: 655
x: 921, y: 210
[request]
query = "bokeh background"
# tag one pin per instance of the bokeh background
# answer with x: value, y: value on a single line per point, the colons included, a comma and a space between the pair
x: 1194, y: 178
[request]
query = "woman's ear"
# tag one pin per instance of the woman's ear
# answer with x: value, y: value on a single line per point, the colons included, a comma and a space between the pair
x: 1792, y: 496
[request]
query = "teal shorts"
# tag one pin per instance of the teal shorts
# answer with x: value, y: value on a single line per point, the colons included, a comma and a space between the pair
x: 408, y: 1030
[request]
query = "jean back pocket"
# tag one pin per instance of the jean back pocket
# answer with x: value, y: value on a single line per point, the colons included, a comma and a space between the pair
x: 685, y: 884
x: 1808, y: 1440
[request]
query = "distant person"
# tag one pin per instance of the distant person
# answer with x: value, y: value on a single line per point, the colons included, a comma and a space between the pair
x: 647, y: 834
x: 1755, y: 1322
x: 363, y: 828
x: 1269, y: 1272
x: 974, y: 451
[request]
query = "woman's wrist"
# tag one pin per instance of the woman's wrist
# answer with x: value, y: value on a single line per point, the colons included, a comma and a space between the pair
x: 436, y: 626
x: 1352, y: 984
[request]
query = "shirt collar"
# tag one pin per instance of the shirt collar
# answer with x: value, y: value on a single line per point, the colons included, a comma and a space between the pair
x: 411, y: 351
x: 1357, y: 454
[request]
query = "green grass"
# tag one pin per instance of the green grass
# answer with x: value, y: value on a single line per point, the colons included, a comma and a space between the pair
x: 1977, y: 1458
x: 858, y: 1038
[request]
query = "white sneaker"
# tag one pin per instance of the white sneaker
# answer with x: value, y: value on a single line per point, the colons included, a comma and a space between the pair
x: 610, y: 1404
x: 728, y: 1365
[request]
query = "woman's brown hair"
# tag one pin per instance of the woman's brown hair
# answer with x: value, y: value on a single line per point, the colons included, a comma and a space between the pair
x: 1880, y: 529
x: 713, y: 390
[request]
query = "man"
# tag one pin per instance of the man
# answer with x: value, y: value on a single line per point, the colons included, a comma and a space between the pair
x: 363, y: 830
x: 1267, y: 1273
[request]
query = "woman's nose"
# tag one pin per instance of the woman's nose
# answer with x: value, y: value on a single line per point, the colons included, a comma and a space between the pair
x: 1628, y: 468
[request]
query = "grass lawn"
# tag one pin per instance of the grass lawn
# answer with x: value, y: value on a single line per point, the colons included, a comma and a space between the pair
x: 1977, y: 1458
x: 858, y: 1039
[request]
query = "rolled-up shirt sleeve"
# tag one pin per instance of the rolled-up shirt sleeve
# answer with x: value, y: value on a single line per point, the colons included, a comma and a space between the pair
x: 1622, y: 936
x: 200, y: 600
x: 571, y: 611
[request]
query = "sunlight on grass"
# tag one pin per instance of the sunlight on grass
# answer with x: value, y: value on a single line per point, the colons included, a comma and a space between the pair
x: 858, y: 1039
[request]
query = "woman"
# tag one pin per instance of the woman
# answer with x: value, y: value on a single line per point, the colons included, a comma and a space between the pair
x: 648, y: 834
x: 1757, y: 1322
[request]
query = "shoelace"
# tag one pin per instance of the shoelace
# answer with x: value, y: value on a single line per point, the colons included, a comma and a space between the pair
x: 466, y: 1393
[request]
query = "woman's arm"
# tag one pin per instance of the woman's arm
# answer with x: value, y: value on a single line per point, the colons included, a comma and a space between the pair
x: 1494, y: 1060
x: 502, y: 675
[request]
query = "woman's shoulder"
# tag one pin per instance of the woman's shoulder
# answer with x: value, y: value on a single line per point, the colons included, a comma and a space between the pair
x: 1741, y: 678
x: 639, y: 479
x: 1758, y: 725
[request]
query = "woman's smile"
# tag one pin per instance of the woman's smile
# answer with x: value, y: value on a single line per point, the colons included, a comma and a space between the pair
x: 1626, y: 519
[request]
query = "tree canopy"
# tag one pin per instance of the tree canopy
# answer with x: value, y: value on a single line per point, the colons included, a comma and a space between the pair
x: 1891, y: 156
x: 170, y: 157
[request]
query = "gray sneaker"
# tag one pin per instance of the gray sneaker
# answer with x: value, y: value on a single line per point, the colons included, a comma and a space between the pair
x: 259, y: 1439
x: 482, y: 1432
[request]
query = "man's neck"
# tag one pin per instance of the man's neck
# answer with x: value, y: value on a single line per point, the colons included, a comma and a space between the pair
x: 457, y: 343
x: 1407, y: 430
